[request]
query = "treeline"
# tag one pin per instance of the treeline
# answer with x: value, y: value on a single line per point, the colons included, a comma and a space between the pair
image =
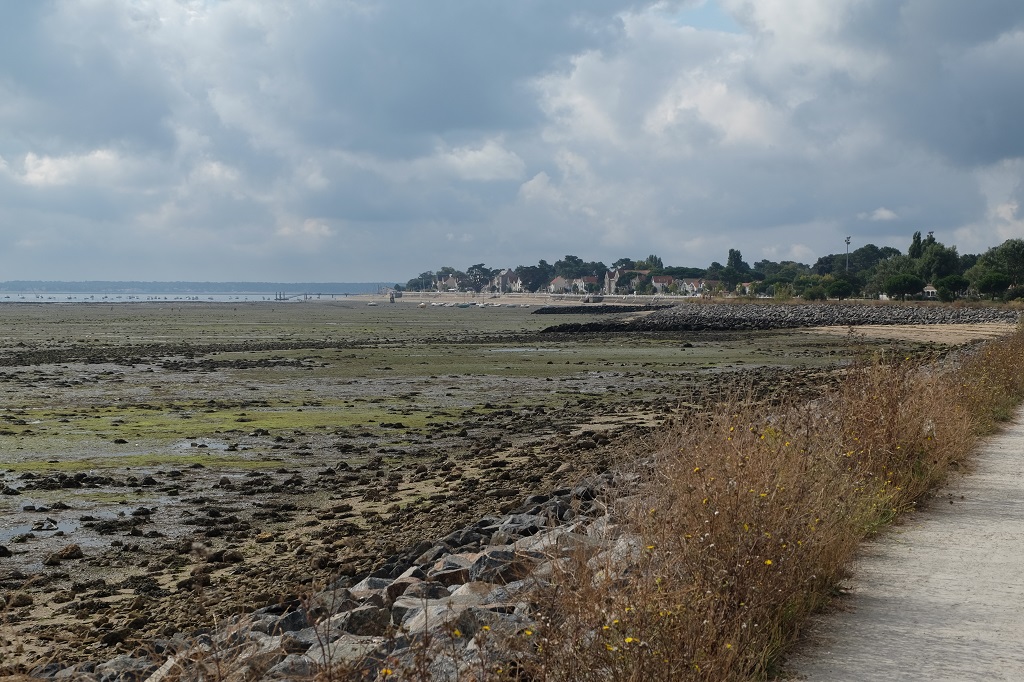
x: 864, y: 272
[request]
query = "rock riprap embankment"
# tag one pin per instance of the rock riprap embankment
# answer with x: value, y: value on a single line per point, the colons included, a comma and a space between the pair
x: 448, y: 606
x: 750, y: 316
x: 593, y: 309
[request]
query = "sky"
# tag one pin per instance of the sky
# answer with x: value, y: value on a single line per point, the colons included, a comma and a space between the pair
x: 371, y: 140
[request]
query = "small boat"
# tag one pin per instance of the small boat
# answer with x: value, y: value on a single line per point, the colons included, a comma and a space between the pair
x: 372, y: 303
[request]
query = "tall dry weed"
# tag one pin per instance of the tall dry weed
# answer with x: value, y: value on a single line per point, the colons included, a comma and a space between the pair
x: 747, y: 517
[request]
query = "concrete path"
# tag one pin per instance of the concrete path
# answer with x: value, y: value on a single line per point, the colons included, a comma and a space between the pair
x: 941, y: 597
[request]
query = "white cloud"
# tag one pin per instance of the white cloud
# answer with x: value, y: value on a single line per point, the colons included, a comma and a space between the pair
x: 491, y: 161
x: 312, y: 228
x: 880, y: 214
x: 524, y: 130
x: 96, y: 167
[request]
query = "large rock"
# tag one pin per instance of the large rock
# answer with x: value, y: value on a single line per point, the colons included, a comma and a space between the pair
x: 67, y: 554
x: 501, y: 565
x: 124, y: 669
x: 363, y: 654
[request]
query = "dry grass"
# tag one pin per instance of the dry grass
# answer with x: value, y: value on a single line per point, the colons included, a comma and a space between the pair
x: 747, y: 518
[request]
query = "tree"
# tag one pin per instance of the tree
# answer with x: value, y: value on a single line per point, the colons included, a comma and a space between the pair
x: 730, y: 277
x: 684, y: 273
x: 479, y: 276
x: 903, y: 285
x: 652, y: 262
x: 815, y: 293
x: 535, y: 277
x: 938, y: 261
x: 967, y: 261
x: 1009, y: 258
x: 916, y: 248
x: 839, y: 288
x: 626, y: 263
x: 736, y: 262
x: 993, y: 283
x: 571, y: 267
x: 951, y: 287
x: 892, y: 266
x: 802, y: 283
x: 423, y: 282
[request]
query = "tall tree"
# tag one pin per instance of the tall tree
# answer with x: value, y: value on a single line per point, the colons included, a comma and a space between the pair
x: 916, y: 248
x: 652, y: 262
x: 535, y: 277
x: 624, y: 263
x: 938, y: 261
x: 1009, y: 256
x: 571, y: 267
x: 479, y: 276
x: 735, y: 261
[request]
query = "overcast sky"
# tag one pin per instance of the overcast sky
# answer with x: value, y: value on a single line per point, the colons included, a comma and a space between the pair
x: 370, y: 140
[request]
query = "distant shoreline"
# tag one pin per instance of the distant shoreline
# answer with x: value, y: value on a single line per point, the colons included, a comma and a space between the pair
x: 154, y: 288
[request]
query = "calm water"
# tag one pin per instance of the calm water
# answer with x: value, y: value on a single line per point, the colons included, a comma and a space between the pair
x: 79, y: 297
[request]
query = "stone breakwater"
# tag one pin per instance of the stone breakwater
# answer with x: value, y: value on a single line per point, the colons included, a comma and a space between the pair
x: 449, y: 607
x: 751, y: 316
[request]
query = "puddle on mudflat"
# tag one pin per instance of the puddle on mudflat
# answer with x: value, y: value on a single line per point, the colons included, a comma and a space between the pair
x: 47, y: 530
x: 201, y: 444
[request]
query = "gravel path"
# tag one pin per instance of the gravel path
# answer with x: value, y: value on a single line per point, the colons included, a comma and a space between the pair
x: 941, y: 597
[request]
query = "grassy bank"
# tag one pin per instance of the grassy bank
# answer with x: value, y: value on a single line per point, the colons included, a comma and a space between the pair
x: 747, y: 518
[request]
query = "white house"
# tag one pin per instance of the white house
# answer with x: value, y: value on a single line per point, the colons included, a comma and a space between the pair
x: 559, y: 285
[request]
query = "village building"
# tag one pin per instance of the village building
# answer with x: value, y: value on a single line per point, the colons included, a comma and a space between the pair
x: 507, y: 281
x: 612, y: 278
x: 559, y: 285
x: 662, y: 283
x: 449, y: 283
x: 588, y: 284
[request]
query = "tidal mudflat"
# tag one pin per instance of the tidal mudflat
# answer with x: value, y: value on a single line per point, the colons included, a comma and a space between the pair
x: 165, y: 465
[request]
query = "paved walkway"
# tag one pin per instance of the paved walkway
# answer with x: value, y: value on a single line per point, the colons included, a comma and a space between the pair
x: 941, y: 597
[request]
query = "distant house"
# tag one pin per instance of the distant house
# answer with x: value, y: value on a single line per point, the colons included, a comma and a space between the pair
x: 700, y: 287
x: 690, y: 287
x: 586, y: 284
x: 931, y: 293
x: 613, y: 277
x: 662, y: 282
x: 559, y: 285
x: 507, y: 280
x: 449, y: 283
x: 710, y: 286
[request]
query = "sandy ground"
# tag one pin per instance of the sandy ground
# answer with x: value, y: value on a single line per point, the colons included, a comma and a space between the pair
x: 921, y: 333
x: 941, y: 597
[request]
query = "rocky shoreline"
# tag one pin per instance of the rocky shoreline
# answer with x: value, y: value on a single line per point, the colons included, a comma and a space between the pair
x: 447, y: 606
x: 761, y: 316
x: 219, y: 475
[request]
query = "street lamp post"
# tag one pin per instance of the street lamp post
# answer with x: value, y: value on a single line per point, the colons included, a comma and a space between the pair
x: 847, y: 254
